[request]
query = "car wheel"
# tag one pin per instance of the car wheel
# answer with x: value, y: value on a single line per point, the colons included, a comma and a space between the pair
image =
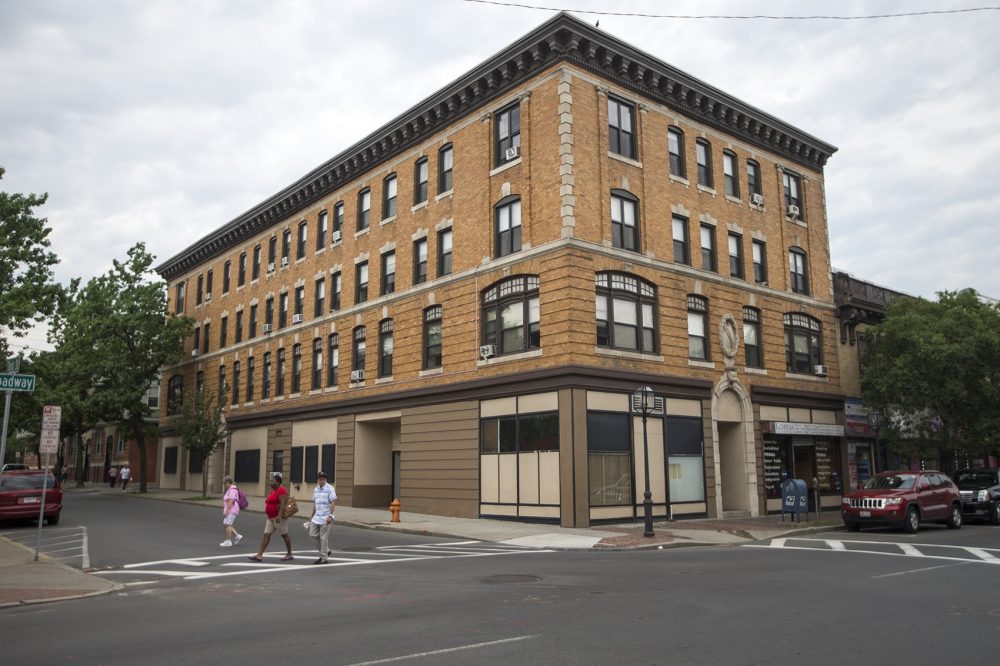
x: 853, y: 527
x: 912, y: 521
x: 995, y: 514
x: 52, y: 520
x: 955, y: 520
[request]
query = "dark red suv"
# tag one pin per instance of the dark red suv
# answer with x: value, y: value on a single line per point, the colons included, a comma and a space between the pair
x: 21, y: 495
x: 903, y: 499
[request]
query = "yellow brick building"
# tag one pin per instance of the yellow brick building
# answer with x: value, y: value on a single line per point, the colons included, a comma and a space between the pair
x: 456, y: 310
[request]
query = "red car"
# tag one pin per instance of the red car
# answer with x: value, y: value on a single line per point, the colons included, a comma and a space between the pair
x: 903, y: 499
x: 21, y: 495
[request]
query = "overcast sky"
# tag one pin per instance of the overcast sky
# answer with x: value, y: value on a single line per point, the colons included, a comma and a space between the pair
x: 161, y: 120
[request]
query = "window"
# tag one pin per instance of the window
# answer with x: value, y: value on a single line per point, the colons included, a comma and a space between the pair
x: 697, y: 327
x: 359, y: 348
x: 621, y: 129
x: 272, y: 253
x: 389, y: 197
x: 444, y: 252
x: 250, y: 385
x: 792, y: 185
x: 223, y: 331
x: 338, y: 218
x: 179, y: 297
x: 236, y: 383
x: 521, y: 433
x: 197, y: 338
x: 753, y: 178
x: 682, y: 246
x: 332, y: 358
x: 265, y: 383
x: 199, y: 381
x: 198, y: 291
x: 446, y: 157
x: 609, y: 459
x: 803, y: 343
x: 511, y: 315
x: 432, y: 337
x: 227, y: 269
x: 703, y: 154
x: 319, y: 297
x: 322, y: 224
x: 241, y: 274
x: 255, y: 274
x: 798, y: 273
x: 685, y: 458
x: 626, y: 313
x: 708, y: 248
x: 675, y: 146
x: 364, y: 208
x: 269, y: 312
x: 221, y: 392
x: 208, y: 284
x: 204, y: 338
x: 388, y: 273
x: 420, y: 261
x: 296, y: 368
x: 420, y: 178
x: 279, y: 386
x: 759, y: 250
x: 624, y: 221
x: 361, y: 282
x: 730, y: 173
x: 300, y: 297
x: 300, y: 246
x: 385, y: 348
x: 336, y: 282
x: 317, y: 364
x: 175, y: 394
x: 507, y: 218
x: 507, y: 134
x: 253, y: 321
x: 286, y: 245
x: 238, y: 333
x: 736, y: 255
x: 283, y: 309
x: 751, y: 338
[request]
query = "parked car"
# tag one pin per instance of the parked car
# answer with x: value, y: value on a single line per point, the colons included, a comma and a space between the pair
x: 980, y: 490
x: 903, y: 499
x: 12, y: 466
x: 21, y: 494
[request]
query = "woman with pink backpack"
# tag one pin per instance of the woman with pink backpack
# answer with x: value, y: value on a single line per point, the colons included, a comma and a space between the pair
x: 232, y: 501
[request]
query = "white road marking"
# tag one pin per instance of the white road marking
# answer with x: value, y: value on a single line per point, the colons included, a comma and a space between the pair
x: 910, y: 549
x: 982, y: 555
x: 837, y: 545
x: 943, y: 566
x: 419, y: 655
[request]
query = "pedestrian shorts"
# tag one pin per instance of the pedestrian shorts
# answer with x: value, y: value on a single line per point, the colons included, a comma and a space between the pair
x: 229, y: 519
x: 276, y: 525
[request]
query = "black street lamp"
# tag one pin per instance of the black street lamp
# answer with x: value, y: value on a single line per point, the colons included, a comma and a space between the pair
x: 644, y: 401
x: 876, y: 419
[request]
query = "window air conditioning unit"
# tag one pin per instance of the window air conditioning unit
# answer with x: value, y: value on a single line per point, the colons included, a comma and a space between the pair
x: 821, y: 370
x: 793, y: 210
x: 512, y: 153
x: 357, y: 375
x: 284, y: 262
x: 758, y: 199
x: 487, y: 351
x: 270, y: 267
x: 296, y: 319
x: 194, y: 352
x: 337, y: 236
x: 208, y: 296
x: 267, y: 328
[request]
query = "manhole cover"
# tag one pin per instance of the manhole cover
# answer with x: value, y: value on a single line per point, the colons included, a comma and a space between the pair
x: 511, y: 578
x: 358, y: 549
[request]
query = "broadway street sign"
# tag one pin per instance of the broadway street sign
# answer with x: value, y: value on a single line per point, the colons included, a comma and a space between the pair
x: 17, y: 382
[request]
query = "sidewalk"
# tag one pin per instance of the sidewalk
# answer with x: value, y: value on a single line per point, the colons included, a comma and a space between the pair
x: 24, y: 581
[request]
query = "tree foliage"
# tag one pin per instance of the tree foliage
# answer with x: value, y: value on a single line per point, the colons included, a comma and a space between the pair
x: 201, y: 427
x: 27, y: 291
x: 934, y: 367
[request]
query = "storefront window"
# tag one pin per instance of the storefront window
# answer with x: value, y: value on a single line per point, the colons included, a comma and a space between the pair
x: 686, y: 459
x: 777, y: 465
x: 609, y: 458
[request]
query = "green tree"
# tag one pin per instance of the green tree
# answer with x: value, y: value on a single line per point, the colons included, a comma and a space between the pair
x: 201, y: 427
x: 27, y: 292
x: 935, y: 368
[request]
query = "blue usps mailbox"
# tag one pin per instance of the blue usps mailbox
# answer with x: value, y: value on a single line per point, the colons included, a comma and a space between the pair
x: 794, y: 497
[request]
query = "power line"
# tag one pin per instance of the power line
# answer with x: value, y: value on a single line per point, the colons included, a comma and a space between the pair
x: 766, y: 17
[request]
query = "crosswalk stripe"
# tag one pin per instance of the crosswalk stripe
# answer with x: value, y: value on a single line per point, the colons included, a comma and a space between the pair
x: 909, y: 550
x: 968, y: 554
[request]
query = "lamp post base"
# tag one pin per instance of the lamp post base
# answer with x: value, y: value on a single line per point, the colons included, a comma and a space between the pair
x: 647, y: 510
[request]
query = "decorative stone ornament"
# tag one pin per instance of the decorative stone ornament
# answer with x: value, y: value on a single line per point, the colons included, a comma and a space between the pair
x: 729, y: 342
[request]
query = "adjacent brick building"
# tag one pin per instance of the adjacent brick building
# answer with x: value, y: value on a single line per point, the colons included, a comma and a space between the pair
x: 456, y: 310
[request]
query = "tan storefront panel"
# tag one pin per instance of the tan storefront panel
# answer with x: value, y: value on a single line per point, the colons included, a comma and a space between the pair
x: 498, y: 407
x: 689, y: 508
x: 538, y: 511
x: 548, y: 473
x: 799, y: 415
x: 678, y: 407
x: 824, y: 416
x: 489, y: 467
x: 657, y: 479
x: 527, y: 480
x: 769, y: 413
x: 609, y: 512
x: 508, y: 478
x: 497, y: 510
x: 171, y: 481
x: 319, y: 431
x: 538, y: 402
x: 607, y: 402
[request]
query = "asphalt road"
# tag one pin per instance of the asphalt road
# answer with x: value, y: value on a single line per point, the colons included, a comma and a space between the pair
x: 394, y: 598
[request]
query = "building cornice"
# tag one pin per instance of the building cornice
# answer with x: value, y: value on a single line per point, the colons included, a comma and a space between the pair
x: 561, y: 39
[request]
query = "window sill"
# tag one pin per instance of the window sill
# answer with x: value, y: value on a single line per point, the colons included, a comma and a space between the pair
x: 756, y: 371
x: 444, y: 195
x: 707, y: 190
x: 388, y: 220
x: 416, y: 207
x: 797, y: 221
x: 362, y: 232
x: 383, y: 380
x: 735, y: 200
x: 806, y: 378
x: 534, y: 353
x: 433, y: 372
x: 504, y: 167
x: 621, y: 353
x: 694, y: 363
x: 680, y: 179
x: 329, y: 389
x: 626, y: 160
x: 360, y: 384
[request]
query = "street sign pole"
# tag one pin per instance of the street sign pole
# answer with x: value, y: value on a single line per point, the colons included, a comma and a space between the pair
x: 48, y: 444
x: 41, y: 508
x: 3, y: 440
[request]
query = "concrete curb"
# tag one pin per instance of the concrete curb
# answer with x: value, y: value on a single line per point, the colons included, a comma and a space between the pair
x: 49, y: 561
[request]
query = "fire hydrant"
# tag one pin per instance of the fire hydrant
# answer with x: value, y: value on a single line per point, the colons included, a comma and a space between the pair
x: 394, y: 508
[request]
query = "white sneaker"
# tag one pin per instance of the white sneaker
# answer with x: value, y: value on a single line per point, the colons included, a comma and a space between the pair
x: 239, y: 537
x: 226, y: 544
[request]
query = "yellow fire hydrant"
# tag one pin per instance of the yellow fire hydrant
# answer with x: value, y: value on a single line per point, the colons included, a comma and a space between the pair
x: 394, y: 508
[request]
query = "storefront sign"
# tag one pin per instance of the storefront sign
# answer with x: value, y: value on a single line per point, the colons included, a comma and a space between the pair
x: 820, y: 429
x: 856, y: 418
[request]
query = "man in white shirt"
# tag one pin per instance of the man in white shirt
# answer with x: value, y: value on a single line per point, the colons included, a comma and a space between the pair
x: 324, y: 498
x: 124, y: 475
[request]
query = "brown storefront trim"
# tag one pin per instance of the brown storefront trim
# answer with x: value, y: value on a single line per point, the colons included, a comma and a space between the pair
x: 782, y: 397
